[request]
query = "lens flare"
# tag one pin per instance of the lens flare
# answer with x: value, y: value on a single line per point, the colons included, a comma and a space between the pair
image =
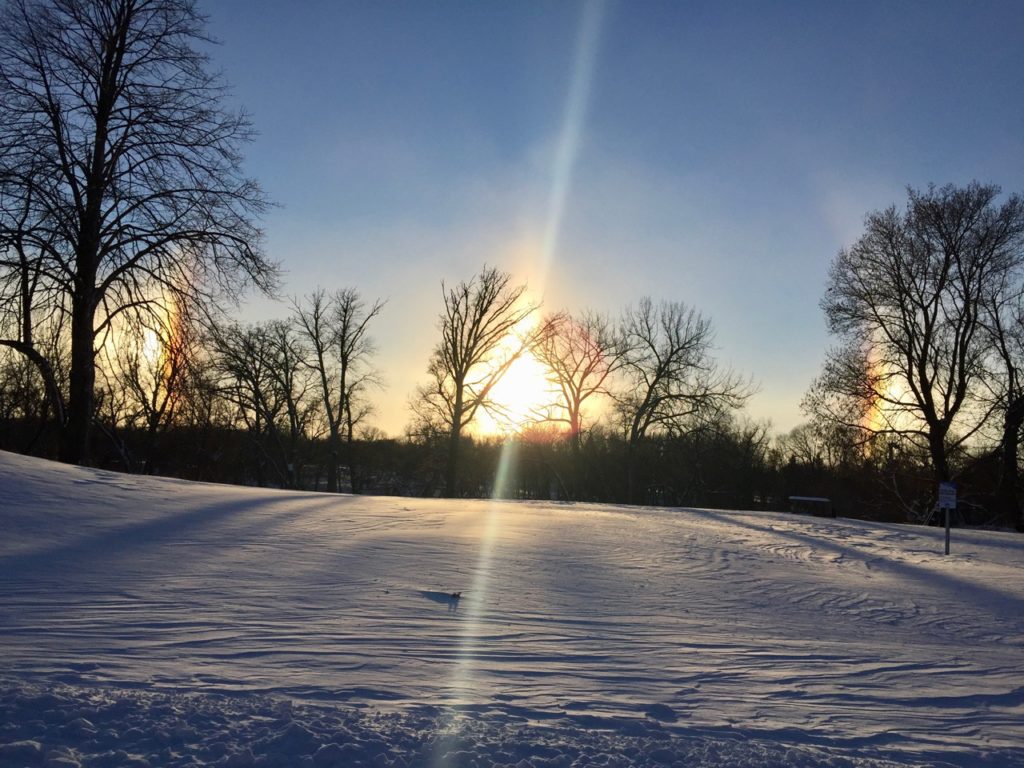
x: 573, y: 119
x: 529, y: 378
x: 463, y: 683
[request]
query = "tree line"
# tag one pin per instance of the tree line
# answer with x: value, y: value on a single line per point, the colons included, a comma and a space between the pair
x: 290, y: 398
x: 127, y: 226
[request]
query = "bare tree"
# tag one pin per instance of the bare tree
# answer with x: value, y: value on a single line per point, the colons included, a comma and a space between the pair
x: 25, y: 406
x: 906, y: 301
x: 155, y: 363
x: 337, y: 329
x: 290, y: 373
x: 263, y: 373
x: 819, y: 443
x: 120, y: 169
x: 201, y: 412
x: 671, y: 383
x: 478, y: 345
x: 29, y: 305
x: 582, y: 354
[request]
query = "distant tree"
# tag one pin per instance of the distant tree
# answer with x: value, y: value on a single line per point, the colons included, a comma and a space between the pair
x: 719, y: 462
x: 819, y: 443
x: 907, y: 303
x: 336, y: 328
x: 202, y: 415
x: 155, y: 364
x: 25, y: 407
x: 670, y: 381
x: 262, y: 372
x: 119, y: 171
x: 581, y: 354
x: 291, y: 377
x: 478, y: 345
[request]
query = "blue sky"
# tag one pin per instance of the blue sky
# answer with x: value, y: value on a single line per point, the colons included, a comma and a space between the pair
x: 718, y: 154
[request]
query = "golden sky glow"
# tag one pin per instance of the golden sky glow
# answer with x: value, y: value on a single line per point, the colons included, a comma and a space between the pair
x: 522, y: 397
x: 886, y: 412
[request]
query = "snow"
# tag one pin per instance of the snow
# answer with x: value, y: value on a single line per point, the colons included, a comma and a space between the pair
x: 149, y: 621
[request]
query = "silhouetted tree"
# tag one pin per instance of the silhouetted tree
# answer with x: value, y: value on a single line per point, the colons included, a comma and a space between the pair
x: 907, y: 303
x: 32, y: 311
x: 581, y: 354
x: 337, y: 329
x: 478, y: 344
x: 1003, y: 321
x: 262, y: 372
x: 819, y: 443
x: 154, y: 362
x: 671, y: 382
x: 120, y: 169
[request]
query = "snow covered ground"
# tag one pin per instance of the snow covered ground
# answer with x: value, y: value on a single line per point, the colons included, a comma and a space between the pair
x: 148, y: 621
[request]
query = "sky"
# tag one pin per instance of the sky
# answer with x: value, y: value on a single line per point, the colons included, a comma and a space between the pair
x: 717, y: 154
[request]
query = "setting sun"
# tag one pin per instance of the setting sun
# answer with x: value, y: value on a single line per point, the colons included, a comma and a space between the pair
x: 523, y: 397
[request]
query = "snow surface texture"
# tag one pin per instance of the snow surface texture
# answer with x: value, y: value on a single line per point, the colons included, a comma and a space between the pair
x: 147, y: 621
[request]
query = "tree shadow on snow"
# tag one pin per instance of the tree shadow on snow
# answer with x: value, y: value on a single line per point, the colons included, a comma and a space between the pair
x: 1001, y: 603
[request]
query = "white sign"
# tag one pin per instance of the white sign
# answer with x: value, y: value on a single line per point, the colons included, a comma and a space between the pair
x: 947, y: 495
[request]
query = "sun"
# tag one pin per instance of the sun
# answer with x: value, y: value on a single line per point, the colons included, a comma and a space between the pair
x: 523, y: 396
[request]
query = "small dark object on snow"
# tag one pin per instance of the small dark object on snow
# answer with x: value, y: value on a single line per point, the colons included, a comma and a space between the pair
x: 449, y: 599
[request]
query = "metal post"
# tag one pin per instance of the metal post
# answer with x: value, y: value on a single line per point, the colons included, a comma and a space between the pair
x: 947, y: 530
x: 947, y: 501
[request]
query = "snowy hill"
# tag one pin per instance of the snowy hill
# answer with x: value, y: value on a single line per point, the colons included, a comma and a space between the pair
x: 147, y: 621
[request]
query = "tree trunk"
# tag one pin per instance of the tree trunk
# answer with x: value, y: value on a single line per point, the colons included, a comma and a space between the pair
x: 452, y: 467
x: 350, y: 449
x: 152, y: 434
x: 631, y: 472
x: 54, y: 397
x: 454, y: 438
x: 1006, y: 493
x: 576, y: 469
x: 937, y: 450
x: 332, y: 462
x: 81, y: 383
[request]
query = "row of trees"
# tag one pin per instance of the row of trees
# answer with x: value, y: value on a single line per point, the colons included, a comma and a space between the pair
x: 654, y: 368
x: 125, y: 220
x: 301, y: 386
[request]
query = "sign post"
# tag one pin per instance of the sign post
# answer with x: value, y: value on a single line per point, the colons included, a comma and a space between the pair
x: 947, y: 502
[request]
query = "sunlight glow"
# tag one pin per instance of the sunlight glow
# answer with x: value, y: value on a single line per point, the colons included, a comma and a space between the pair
x: 885, y: 413
x: 525, y: 390
x: 463, y: 687
x: 148, y: 341
x: 523, y: 397
x: 146, y: 349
